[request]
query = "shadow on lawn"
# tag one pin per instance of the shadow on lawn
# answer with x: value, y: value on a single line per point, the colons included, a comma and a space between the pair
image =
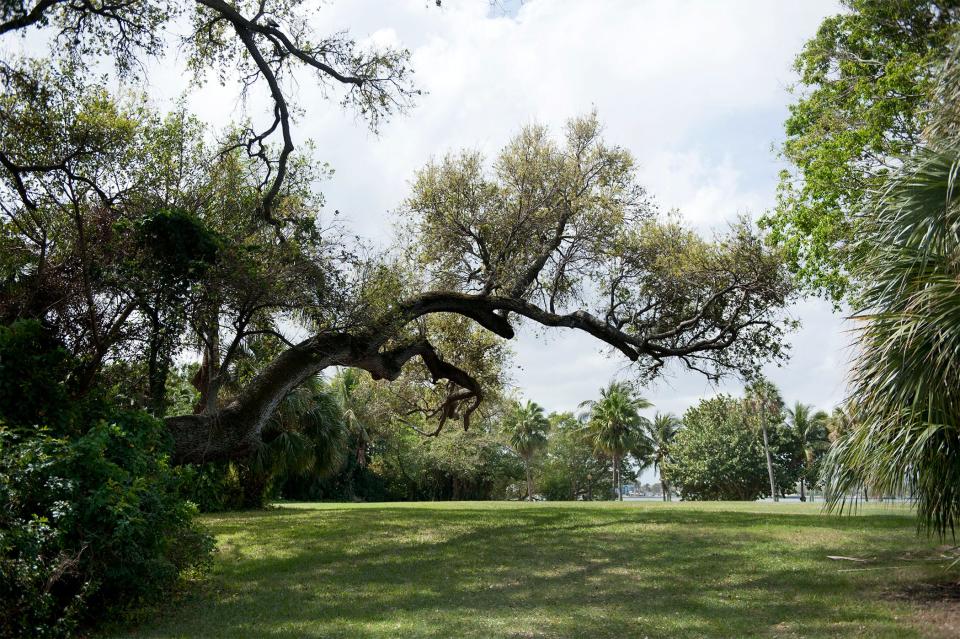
x: 531, y: 572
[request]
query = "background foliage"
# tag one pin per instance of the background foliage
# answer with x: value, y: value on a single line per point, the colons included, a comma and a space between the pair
x: 91, y: 514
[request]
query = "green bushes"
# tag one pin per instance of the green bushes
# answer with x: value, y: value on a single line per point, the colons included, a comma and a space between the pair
x: 717, y: 455
x: 91, y: 513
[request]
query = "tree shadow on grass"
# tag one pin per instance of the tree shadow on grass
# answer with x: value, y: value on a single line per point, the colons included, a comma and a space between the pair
x: 536, y: 572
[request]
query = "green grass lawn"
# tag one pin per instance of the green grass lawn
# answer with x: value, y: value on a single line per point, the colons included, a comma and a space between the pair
x: 557, y: 570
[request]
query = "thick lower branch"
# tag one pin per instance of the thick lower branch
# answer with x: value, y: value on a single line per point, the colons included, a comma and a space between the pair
x: 234, y: 430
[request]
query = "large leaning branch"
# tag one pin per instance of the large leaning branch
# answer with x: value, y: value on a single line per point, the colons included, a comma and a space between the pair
x: 234, y: 429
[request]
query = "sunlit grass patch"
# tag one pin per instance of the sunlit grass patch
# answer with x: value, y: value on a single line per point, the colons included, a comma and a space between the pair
x: 557, y: 570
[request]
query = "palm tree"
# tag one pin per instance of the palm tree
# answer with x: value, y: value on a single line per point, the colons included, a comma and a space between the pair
x: 660, y: 433
x: 527, y: 427
x: 614, y: 426
x: 307, y: 433
x: 353, y: 396
x: 811, y: 427
x: 764, y: 400
x: 840, y: 422
x: 904, y: 432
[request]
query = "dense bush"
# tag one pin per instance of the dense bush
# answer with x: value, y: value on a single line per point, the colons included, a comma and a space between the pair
x: 718, y: 455
x: 91, y: 514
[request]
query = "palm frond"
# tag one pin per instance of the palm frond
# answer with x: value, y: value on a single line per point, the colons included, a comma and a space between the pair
x: 906, y: 381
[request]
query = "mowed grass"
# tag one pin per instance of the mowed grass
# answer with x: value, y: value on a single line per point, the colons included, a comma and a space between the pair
x: 557, y: 570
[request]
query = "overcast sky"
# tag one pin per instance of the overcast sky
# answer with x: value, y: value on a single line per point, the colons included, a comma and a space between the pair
x: 697, y: 90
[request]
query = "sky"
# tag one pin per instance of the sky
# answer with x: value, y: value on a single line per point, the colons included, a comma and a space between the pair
x: 697, y: 90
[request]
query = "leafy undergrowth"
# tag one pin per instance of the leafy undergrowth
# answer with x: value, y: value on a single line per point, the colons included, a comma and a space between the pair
x: 559, y: 570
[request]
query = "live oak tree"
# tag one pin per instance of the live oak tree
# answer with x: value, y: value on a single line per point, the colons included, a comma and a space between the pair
x: 552, y: 232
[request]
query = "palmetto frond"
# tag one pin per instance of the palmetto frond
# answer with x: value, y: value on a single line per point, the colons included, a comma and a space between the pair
x: 306, y: 433
x: 906, y: 380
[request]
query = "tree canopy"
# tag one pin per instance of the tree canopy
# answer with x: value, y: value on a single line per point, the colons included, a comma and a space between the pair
x: 863, y: 97
x: 120, y: 223
x: 719, y: 455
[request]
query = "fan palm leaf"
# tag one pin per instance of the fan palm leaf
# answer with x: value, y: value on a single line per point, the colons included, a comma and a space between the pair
x: 904, y: 434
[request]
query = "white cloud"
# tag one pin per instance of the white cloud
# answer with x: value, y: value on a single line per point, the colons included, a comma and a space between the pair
x: 708, y: 194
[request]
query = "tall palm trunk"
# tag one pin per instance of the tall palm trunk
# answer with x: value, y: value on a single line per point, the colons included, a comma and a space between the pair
x: 766, y: 449
x: 526, y: 463
x: 619, y: 478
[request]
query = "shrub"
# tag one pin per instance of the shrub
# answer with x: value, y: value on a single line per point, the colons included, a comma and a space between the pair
x: 91, y: 513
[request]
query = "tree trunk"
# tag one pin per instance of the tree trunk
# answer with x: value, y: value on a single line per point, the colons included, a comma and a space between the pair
x: 230, y: 432
x: 158, y: 367
x: 803, y: 492
x: 619, y: 479
x: 664, y: 489
x: 614, y: 464
x: 233, y: 431
x: 207, y: 380
x: 766, y: 450
x: 254, y: 487
x: 526, y: 463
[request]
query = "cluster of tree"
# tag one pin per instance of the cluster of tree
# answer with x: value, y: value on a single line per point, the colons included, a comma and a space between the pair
x: 135, y: 238
x: 746, y: 448
x: 132, y: 238
x: 347, y: 439
x: 586, y: 456
x: 867, y: 214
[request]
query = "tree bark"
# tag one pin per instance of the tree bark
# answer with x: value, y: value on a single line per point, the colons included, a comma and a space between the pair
x: 766, y: 450
x: 618, y: 477
x: 803, y: 492
x: 526, y: 463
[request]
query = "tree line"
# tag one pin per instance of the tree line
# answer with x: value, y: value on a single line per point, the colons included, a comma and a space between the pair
x: 344, y: 439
